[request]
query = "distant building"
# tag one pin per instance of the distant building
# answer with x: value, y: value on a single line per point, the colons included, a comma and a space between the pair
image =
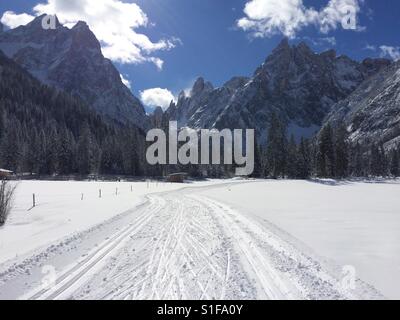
x: 177, y: 177
x: 5, y: 173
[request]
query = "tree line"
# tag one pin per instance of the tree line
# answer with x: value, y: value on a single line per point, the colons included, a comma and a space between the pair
x: 46, y: 131
x: 330, y: 154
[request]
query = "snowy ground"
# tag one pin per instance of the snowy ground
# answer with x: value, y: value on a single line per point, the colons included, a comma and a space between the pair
x: 349, y: 223
x: 60, y: 210
x: 210, y: 240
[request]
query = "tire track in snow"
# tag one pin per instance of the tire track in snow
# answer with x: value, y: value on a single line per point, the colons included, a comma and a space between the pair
x: 74, y: 275
x: 183, y: 246
x: 270, y: 282
x: 185, y: 261
x: 282, y: 270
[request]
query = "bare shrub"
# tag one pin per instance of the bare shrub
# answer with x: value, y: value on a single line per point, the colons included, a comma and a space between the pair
x: 6, y: 197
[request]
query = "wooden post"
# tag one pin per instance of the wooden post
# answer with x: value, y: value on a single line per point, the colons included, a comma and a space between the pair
x: 34, y: 200
x: 100, y: 193
x: 131, y: 188
x: 116, y: 191
x: 82, y: 196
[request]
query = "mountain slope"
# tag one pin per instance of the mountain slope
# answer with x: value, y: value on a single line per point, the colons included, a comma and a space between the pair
x: 71, y: 60
x: 47, y: 131
x: 300, y: 86
x: 372, y: 112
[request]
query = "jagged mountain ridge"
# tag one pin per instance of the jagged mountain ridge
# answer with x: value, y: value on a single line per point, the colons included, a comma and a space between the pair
x: 300, y: 86
x: 372, y: 112
x: 71, y: 60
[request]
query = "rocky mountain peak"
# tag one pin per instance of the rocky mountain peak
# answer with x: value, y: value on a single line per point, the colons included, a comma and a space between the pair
x: 236, y: 83
x: 330, y: 54
x: 304, y: 48
x: 372, y: 66
x: 181, y: 95
x: 72, y: 60
x: 83, y: 37
x: 201, y: 85
x: 283, y: 45
x: 299, y: 85
x: 80, y: 25
x: 36, y: 24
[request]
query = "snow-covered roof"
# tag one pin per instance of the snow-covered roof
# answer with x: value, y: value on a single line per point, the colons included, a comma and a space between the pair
x: 5, y: 171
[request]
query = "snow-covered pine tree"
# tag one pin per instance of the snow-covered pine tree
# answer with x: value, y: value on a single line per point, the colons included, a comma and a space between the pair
x: 377, y: 167
x: 325, y: 161
x: 341, y: 152
x: 292, y: 169
x: 303, y: 160
x: 276, y: 150
x: 395, y: 163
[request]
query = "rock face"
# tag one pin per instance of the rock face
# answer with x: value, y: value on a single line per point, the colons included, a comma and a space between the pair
x: 71, y: 60
x: 372, y: 112
x: 156, y: 118
x: 300, y: 86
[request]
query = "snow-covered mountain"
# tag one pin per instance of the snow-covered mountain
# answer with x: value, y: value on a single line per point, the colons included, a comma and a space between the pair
x: 372, y: 112
x: 71, y: 60
x: 300, y: 86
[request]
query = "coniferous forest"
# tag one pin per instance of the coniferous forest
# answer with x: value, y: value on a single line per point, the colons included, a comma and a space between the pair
x: 47, y: 132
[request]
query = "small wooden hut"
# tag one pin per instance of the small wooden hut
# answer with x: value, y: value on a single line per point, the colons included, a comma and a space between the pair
x: 177, y: 177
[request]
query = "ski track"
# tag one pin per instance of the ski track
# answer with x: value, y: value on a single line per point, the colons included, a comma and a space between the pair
x: 186, y: 246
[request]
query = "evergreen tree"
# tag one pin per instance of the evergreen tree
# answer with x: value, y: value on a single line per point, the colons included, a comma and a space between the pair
x: 52, y: 152
x: 41, y: 150
x: 276, y: 148
x: 377, y: 161
x: 2, y: 123
x: 66, y: 154
x: 325, y: 161
x: 10, y: 148
x: 257, y: 173
x: 292, y: 163
x: 85, y: 151
x: 341, y: 153
x: 304, y: 160
x: 395, y: 163
x: 357, y: 161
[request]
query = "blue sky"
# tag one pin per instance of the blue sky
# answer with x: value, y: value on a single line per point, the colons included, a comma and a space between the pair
x: 203, y: 38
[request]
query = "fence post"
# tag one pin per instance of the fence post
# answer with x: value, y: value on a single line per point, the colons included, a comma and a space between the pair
x: 82, y: 197
x: 99, y: 193
x: 33, y: 200
x: 131, y: 188
x: 116, y: 191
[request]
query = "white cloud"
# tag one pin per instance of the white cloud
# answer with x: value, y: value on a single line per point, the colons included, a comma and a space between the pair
x: 13, y: 20
x: 370, y: 47
x: 389, y: 51
x: 322, y: 42
x: 385, y: 51
x: 329, y: 40
x: 114, y: 23
x: 265, y: 18
x: 157, y: 97
x: 125, y: 81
